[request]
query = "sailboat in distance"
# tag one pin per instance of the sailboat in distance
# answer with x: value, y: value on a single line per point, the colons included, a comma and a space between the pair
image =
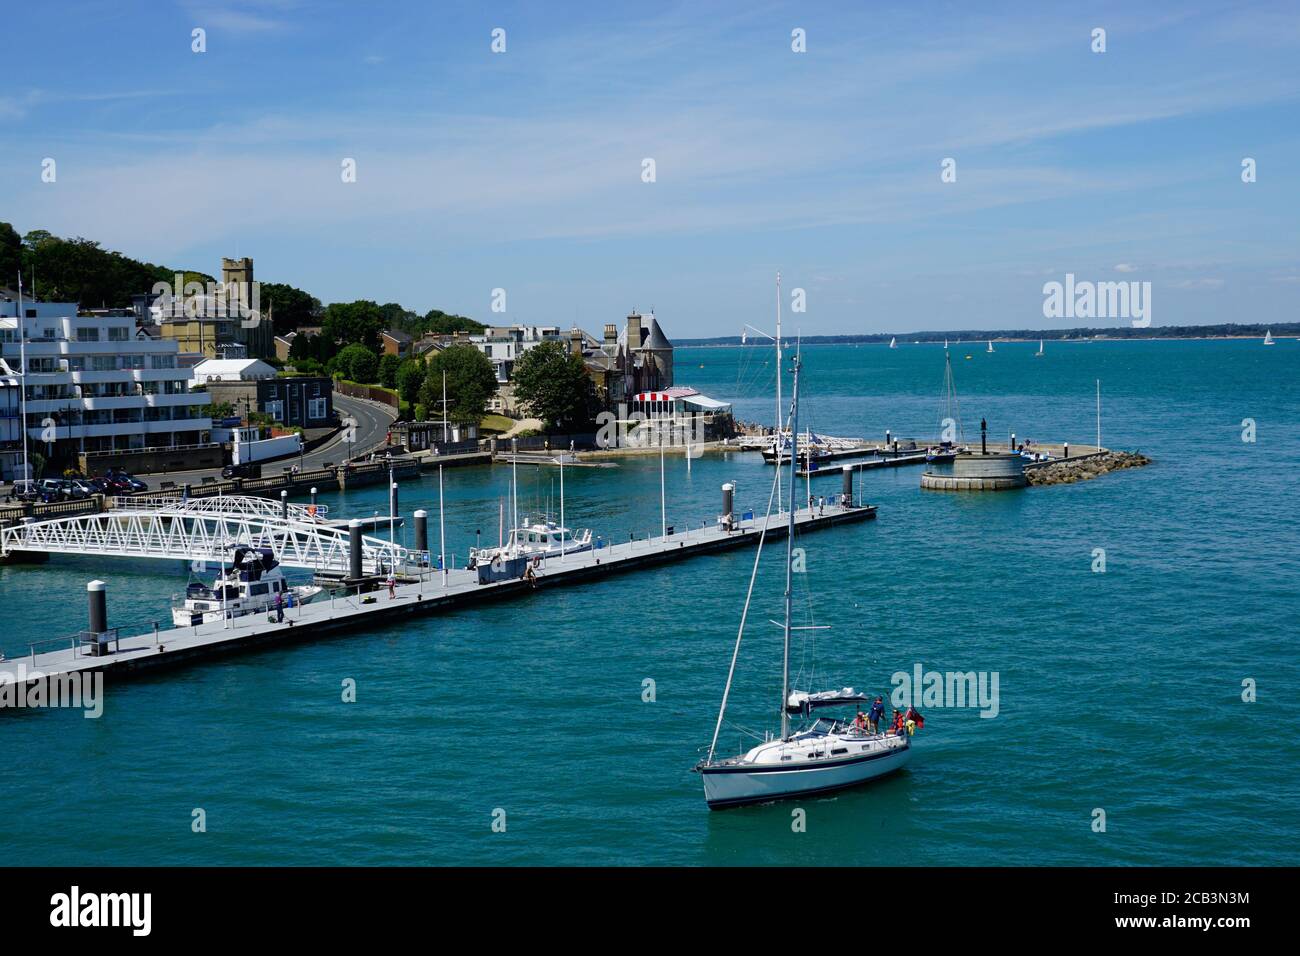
x: 990, y: 348
x: 1039, y: 353
x: 893, y: 343
x: 824, y: 755
x: 1268, y: 337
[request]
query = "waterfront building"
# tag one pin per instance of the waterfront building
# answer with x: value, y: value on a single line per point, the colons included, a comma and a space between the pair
x: 420, y: 436
x: 683, y: 409
x: 93, y: 385
x: 622, y: 364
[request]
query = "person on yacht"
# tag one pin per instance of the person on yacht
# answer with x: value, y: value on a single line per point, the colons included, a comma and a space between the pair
x: 875, y: 714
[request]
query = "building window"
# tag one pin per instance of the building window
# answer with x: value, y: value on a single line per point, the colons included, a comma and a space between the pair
x: 87, y: 334
x: 316, y: 409
x: 275, y: 410
x: 117, y: 335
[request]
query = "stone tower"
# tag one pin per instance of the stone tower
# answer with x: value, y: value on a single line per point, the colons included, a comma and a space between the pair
x: 657, y: 354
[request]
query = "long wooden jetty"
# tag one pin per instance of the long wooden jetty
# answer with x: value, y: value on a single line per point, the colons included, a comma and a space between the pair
x: 435, y: 591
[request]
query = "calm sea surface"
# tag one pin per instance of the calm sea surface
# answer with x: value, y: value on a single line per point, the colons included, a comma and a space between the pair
x: 1119, y: 691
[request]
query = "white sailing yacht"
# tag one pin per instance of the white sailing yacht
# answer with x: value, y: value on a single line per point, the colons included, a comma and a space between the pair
x: 827, y: 754
x: 1039, y: 353
x: 1268, y: 337
x: 990, y: 345
x: 893, y: 343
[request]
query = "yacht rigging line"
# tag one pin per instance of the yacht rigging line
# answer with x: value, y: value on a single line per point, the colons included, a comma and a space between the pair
x: 753, y: 576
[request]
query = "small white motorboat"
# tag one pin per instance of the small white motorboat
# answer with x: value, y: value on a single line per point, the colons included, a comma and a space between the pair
x: 534, y: 539
x: 250, y: 585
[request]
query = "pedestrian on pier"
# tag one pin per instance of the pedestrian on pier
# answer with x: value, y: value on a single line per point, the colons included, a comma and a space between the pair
x: 279, y: 607
x: 392, y: 588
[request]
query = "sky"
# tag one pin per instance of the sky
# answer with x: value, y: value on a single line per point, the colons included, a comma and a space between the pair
x: 524, y: 170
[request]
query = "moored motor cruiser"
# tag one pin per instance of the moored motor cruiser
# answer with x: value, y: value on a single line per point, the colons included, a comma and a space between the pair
x: 253, y: 582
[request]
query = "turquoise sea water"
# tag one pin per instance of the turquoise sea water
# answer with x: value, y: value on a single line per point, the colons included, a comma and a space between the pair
x: 1119, y: 691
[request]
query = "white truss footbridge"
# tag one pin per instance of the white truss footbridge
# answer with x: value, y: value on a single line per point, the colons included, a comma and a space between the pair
x: 180, y: 534
x: 234, y: 505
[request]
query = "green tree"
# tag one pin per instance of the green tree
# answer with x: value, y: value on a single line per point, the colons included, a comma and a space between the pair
x: 471, y: 381
x: 11, y: 254
x: 388, y: 366
x: 353, y: 323
x: 553, y: 385
x: 441, y: 323
x: 410, y: 376
x: 358, y: 363
x: 289, y: 307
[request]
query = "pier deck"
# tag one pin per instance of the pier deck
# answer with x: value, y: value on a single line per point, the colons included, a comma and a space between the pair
x: 429, y: 595
x: 917, y: 458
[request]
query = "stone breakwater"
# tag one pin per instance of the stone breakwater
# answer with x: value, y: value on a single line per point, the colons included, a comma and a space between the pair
x: 1068, y: 470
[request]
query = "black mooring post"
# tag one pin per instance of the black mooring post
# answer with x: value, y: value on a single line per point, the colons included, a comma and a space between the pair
x: 421, y: 530
x: 354, y: 549
x: 97, y: 592
x: 984, y: 437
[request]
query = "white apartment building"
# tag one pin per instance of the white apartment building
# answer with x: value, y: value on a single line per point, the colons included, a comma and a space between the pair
x: 92, y: 384
x: 503, y: 345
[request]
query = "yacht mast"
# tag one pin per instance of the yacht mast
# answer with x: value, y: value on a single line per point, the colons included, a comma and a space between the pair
x: 780, y: 409
x: 789, y: 553
x: 22, y: 360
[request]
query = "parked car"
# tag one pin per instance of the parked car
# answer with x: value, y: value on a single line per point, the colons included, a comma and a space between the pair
x: 128, y: 481
x: 249, y: 469
x: 75, y: 489
x: 51, y: 489
x: 115, y: 485
x: 101, y: 485
x: 24, y: 489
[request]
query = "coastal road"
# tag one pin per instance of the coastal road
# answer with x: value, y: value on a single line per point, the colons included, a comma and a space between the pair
x: 372, y: 419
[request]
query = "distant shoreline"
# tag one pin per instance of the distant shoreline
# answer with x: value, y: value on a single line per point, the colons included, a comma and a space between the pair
x: 1171, y: 333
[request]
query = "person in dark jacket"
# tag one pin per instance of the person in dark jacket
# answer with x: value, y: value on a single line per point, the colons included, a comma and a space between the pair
x: 875, y: 714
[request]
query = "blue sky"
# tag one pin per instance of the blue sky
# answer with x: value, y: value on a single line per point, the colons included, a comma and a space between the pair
x: 522, y: 170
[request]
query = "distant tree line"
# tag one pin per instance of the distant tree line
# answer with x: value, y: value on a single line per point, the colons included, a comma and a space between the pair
x: 1224, y: 330
x: 78, y: 270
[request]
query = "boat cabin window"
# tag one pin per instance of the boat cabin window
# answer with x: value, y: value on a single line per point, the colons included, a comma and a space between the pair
x: 259, y: 589
x: 842, y: 750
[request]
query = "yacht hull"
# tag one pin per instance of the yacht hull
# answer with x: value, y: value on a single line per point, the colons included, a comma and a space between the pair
x: 734, y: 786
